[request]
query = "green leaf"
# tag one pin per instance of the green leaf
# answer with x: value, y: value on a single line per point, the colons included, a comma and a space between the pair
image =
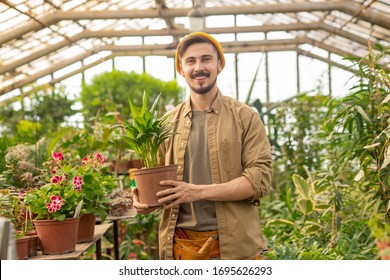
x: 386, y: 159
x: 387, y: 99
x: 306, y: 206
x: 371, y: 146
x: 282, y: 222
x: 319, y: 186
x: 301, y: 186
x: 311, y: 228
x: 379, y: 47
x: 133, y: 110
x: 363, y: 113
x: 321, y: 205
x: 248, y: 96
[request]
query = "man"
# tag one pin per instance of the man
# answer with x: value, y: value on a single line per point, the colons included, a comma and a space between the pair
x: 224, y: 166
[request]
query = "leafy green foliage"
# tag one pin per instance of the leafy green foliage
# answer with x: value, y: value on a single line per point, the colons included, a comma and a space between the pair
x: 141, y: 241
x: 5, y: 143
x: 379, y: 229
x: 109, y: 92
x: 358, y: 125
x: 326, y: 213
x: 68, y: 184
x: 39, y: 114
x: 146, y: 132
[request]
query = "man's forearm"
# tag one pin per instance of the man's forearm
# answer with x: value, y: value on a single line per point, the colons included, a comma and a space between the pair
x: 237, y: 189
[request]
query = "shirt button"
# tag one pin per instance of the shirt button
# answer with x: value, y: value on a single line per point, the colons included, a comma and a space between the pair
x: 182, y: 143
x: 179, y: 167
x: 173, y: 215
x: 169, y: 238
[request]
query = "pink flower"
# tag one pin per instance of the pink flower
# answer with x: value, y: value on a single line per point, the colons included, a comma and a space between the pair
x: 56, y: 199
x: 56, y: 179
x: 99, y: 158
x: 78, y: 182
x: 56, y: 203
x: 84, y: 161
x: 57, y: 156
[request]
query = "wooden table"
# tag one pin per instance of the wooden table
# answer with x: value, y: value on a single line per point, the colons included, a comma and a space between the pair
x: 100, y: 230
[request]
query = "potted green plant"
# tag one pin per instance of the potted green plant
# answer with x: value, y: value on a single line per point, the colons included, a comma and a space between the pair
x: 72, y: 189
x: 95, y: 188
x: 144, y: 134
x: 22, y: 167
x: 14, y: 208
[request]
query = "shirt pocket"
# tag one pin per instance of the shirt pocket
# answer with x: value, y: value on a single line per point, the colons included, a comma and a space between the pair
x: 230, y: 158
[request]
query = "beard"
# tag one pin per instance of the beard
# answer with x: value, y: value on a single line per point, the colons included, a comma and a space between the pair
x: 203, y: 90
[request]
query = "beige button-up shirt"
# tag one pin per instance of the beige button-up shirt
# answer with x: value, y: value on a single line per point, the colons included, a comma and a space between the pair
x: 238, y: 146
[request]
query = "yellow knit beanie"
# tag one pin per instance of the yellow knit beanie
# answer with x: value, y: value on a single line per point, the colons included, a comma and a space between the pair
x: 207, y: 36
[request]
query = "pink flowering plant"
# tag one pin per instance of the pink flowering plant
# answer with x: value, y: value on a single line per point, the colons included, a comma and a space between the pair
x: 68, y: 184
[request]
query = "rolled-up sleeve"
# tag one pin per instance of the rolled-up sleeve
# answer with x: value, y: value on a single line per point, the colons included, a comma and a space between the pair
x: 256, y: 156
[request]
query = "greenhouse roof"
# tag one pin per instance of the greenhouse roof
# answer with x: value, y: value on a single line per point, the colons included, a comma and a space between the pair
x: 38, y: 38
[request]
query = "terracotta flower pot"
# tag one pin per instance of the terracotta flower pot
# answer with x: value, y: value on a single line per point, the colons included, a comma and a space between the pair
x: 86, y: 229
x: 57, y: 237
x: 33, y: 243
x: 22, y: 247
x: 148, y: 180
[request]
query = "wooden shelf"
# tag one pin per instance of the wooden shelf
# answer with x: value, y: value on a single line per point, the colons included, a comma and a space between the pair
x: 100, y: 230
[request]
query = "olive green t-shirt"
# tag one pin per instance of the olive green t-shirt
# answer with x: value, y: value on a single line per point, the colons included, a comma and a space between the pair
x: 198, y: 215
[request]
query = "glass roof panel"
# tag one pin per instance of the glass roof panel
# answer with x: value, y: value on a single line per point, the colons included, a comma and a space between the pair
x: 35, y: 35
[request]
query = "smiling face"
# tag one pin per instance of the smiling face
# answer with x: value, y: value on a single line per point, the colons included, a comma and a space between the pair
x: 199, y: 65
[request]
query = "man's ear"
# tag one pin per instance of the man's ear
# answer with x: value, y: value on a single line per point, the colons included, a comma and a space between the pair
x: 219, y: 66
x: 181, y: 72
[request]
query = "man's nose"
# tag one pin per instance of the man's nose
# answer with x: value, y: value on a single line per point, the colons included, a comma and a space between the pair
x: 198, y: 65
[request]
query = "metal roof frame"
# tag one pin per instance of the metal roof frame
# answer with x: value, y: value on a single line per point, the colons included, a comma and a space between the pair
x: 48, y: 36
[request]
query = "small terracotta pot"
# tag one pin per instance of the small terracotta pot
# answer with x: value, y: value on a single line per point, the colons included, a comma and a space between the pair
x: 148, y: 180
x: 86, y: 229
x: 22, y: 247
x: 33, y: 243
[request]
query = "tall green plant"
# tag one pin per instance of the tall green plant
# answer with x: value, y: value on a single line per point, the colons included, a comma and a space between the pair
x: 350, y: 177
x: 146, y: 132
x: 358, y: 127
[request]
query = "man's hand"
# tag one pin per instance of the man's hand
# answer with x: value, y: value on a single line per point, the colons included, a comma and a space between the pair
x: 140, y: 207
x: 181, y: 192
x: 237, y: 189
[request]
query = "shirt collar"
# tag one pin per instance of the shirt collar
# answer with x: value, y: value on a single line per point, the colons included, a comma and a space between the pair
x: 215, y: 107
